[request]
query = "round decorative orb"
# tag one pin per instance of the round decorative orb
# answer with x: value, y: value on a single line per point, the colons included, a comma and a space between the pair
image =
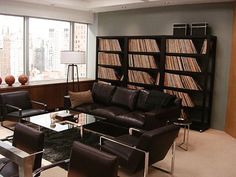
x: 10, y: 80
x: 22, y: 79
x: 0, y: 80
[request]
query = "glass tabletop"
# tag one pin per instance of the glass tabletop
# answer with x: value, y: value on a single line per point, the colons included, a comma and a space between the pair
x: 50, y: 121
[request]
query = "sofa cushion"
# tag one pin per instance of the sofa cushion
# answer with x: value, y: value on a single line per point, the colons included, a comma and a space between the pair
x: 141, y: 101
x: 131, y: 119
x: 78, y: 98
x: 102, y: 93
x: 159, y: 99
x: 109, y: 112
x: 125, y: 97
x: 88, y: 107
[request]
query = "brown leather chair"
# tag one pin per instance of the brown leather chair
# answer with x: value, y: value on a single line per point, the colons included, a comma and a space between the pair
x: 86, y: 161
x: 29, y: 140
x: 19, y: 105
x: 136, y: 152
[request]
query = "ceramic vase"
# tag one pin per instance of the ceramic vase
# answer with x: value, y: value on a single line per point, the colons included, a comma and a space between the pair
x: 10, y: 80
x: 22, y: 79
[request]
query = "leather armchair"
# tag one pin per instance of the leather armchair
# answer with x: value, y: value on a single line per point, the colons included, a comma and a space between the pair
x: 87, y: 161
x: 135, y: 152
x: 28, y: 140
x: 19, y: 105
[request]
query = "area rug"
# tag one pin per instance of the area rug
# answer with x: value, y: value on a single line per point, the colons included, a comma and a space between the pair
x: 58, y: 145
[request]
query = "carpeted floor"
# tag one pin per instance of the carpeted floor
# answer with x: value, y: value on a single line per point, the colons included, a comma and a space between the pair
x: 211, y: 154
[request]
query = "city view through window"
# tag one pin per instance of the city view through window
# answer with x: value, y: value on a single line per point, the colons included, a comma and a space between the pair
x: 11, y: 45
x: 46, y: 39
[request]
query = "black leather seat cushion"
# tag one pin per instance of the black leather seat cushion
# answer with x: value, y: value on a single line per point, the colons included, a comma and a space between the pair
x: 125, y: 97
x: 102, y: 93
x: 8, y: 168
x: 132, y: 119
x: 109, y: 112
x: 27, y: 113
x: 87, y: 108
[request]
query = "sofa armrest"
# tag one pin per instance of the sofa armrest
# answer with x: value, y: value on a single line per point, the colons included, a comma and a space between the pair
x: 67, y: 103
x: 168, y: 113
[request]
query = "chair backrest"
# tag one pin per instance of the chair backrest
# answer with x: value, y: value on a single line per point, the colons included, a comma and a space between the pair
x: 20, y: 99
x: 30, y: 141
x: 158, y: 142
x: 90, y: 162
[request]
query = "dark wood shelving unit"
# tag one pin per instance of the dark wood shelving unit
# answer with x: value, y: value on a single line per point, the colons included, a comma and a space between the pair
x: 199, y: 48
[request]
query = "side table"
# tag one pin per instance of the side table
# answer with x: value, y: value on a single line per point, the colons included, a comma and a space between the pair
x: 185, y: 123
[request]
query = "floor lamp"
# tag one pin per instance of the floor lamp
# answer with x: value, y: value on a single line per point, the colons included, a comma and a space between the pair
x: 72, y: 58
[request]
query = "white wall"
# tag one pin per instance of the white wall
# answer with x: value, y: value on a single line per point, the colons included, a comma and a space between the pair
x: 158, y: 21
x: 92, y: 33
x: 32, y: 10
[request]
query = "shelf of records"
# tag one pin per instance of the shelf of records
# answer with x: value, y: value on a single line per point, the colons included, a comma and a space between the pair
x: 184, y: 46
x: 109, y: 74
x: 143, y: 45
x: 109, y: 59
x: 134, y: 87
x: 181, y: 81
x: 179, y: 63
x: 109, y: 45
x: 142, y: 61
x: 143, y: 77
x: 186, y: 99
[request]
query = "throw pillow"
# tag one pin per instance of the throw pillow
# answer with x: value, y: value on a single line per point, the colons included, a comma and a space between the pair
x: 79, y: 98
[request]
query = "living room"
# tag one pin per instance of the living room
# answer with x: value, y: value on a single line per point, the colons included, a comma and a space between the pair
x: 124, y: 20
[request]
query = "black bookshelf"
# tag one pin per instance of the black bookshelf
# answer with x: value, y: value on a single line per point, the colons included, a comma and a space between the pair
x: 188, y: 73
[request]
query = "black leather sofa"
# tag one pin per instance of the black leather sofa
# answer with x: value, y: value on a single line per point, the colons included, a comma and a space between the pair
x: 131, y: 108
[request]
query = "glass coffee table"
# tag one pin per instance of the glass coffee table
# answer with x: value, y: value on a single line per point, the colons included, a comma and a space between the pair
x: 50, y: 121
x: 85, y: 122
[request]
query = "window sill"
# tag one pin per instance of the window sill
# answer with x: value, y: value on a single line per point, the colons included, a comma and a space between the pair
x: 37, y: 83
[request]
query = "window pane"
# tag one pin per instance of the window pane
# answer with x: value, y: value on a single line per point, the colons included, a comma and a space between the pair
x: 47, y: 38
x: 11, y: 45
x: 80, y: 44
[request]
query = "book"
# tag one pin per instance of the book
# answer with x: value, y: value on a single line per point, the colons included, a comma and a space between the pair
x: 64, y: 116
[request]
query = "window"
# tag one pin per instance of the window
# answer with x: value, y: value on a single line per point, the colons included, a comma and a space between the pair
x: 47, y: 38
x: 80, y: 43
x: 11, y: 45
x: 44, y: 40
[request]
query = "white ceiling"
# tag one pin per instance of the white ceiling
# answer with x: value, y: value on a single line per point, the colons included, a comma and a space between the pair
x: 112, y: 5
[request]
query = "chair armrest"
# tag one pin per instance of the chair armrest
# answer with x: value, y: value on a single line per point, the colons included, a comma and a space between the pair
x: 131, y: 130
x: 8, y: 138
x: 16, y: 108
x: 40, y: 103
x: 13, y: 107
x: 39, y: 170
x: 120, y: 143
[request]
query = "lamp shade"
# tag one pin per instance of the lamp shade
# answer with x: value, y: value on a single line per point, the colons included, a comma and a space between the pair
x: 72, y: 57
